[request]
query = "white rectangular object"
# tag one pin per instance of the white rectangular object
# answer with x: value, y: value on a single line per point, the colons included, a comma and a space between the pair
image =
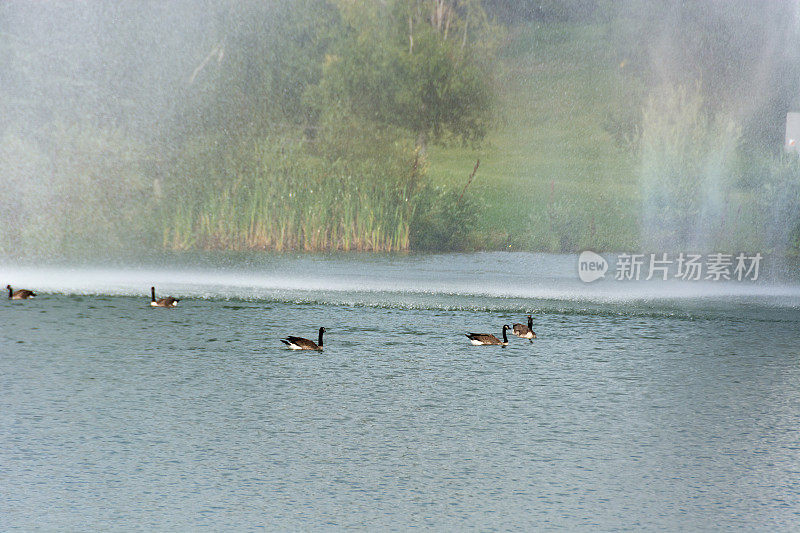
x: 792, y: 141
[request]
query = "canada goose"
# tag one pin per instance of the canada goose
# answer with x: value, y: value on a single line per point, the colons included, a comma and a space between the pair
x: 21, y: 294
x: 162, y: 302
x: 485, y: 338
x: 526, y: 332
x: 299, y: 343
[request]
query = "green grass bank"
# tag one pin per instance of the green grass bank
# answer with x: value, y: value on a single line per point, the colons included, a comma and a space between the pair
x: 552, y: 178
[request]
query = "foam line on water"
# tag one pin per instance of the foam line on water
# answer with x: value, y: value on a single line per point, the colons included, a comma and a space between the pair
x: 229, y: 283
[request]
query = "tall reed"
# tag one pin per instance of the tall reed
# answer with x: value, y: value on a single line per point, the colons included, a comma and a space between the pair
x: 272, y: 195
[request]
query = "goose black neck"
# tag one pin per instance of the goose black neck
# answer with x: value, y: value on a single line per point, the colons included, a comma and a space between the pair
x: 321, y: 331
x: 530, y: 322
x: 505, y: 337
x: 9, y: 290
x: 152, y: 294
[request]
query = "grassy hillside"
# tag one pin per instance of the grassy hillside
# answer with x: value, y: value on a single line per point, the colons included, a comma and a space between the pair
x: 551, y: 178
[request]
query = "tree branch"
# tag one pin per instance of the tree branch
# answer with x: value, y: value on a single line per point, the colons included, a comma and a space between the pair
x: 471, y: 176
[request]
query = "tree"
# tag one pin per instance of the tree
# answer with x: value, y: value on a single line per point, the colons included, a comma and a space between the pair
x: 515, y: 11
x: 421, y: 65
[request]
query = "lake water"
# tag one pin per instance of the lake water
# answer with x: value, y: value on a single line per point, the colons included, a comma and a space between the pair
x: 642, y: 405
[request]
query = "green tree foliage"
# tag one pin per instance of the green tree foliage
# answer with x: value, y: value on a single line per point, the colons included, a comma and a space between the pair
x: 516, y: 11
x: 301, y: 120
x: 258, y: 60
x: 743, y: 53
x: 217, y: 105
x: 779, y: 203
x: 421, y: 65
x: 80, y: 188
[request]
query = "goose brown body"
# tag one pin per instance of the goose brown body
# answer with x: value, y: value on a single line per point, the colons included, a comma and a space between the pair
x: 526, y: 332
x: 20, y: 294
x: 479, y: 339
x: 299, y: 343
x: 162, y: 302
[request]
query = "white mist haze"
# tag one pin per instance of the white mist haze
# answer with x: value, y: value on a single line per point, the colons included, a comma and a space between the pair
x: 113, y: 112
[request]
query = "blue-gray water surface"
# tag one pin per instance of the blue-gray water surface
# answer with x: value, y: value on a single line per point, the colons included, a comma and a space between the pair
x: 641, y: 405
